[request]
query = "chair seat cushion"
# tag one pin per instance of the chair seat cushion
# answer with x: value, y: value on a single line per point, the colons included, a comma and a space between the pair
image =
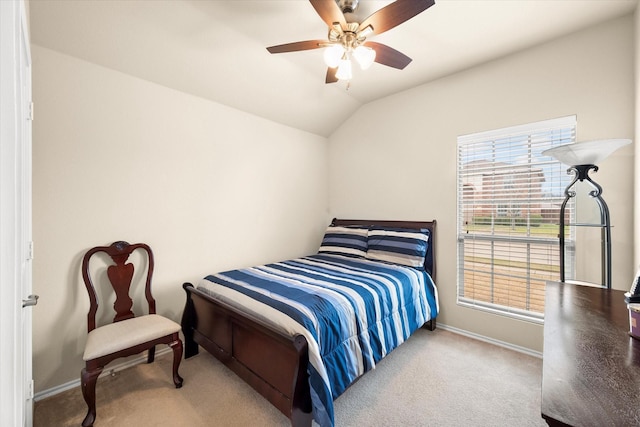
x: 118, y: 336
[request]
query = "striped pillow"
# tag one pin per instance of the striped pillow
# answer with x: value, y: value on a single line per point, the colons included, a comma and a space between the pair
x: 351, y: 241
x: 403, y: 246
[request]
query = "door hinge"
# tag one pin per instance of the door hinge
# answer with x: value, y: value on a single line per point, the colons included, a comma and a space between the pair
x: 30, y: 253
x: 30, y: 115
x: 30, y: 390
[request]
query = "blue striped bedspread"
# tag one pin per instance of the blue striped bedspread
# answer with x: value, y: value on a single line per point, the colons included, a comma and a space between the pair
x: 352, y: 311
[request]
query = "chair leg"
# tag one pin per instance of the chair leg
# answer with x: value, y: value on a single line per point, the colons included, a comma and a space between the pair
x: 88, y: 380
x: 177, y: 358
x: 152, y: 354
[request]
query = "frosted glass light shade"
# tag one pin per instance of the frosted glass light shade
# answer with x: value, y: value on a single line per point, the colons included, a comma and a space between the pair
x: 333, y: 55
x: 344, y: 70
x: 365, y: 56
x: 587, y: 152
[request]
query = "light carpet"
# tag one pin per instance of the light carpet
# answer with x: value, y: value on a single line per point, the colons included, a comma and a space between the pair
x: 436, y: 378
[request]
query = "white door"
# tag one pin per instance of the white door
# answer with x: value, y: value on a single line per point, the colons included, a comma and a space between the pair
x: 26, y: 242
x: 16, y: 385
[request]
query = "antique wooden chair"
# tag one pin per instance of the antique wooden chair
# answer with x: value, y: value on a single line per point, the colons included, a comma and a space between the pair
x: 127, y: 335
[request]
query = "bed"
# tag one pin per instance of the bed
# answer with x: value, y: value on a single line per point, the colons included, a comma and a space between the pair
x: 301, y: 331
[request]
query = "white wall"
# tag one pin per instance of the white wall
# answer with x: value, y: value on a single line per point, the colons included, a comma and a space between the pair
x: 637, y: 136
x: 206, y: 186
x: 396, y: 158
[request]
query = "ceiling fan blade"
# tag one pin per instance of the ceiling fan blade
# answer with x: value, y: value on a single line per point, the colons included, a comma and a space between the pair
x: 331, y: 75
x: 386, y: 55
x: 296, y: 46
x: 329, y: 11
x: 395, y: 14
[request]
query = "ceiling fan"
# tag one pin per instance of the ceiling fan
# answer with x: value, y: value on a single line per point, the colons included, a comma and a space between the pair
x: 349, y: 39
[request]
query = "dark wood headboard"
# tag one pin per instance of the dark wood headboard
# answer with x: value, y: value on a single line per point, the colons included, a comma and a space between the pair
x: 430, y: 259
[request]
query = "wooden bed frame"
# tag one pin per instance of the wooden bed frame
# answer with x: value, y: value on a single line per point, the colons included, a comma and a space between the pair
x: 275, y: 365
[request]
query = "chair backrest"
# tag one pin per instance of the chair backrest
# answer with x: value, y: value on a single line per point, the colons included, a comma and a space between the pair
x: 120, y: 276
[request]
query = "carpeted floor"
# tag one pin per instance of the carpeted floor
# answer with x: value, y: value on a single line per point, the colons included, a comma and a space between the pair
x: 435, y: 379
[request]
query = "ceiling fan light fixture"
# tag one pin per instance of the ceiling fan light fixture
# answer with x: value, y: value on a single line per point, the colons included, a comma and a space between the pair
x: 333, y: 54
x: 349, y: 32
x: 365, y: 56
x: 344, y: 69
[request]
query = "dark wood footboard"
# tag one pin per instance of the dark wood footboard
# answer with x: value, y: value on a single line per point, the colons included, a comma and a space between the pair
x: 275, y: 365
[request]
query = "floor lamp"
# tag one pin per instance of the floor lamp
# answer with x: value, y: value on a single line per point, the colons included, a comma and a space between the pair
x: 583, y: 157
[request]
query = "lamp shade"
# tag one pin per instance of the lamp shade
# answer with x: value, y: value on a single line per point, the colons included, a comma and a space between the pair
x: 333, y: 54
x: 344, y: 70
x: 365, y: 56
x: 587, y: 152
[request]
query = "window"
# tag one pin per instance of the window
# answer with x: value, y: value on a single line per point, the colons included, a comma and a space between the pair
x: 509, y: 198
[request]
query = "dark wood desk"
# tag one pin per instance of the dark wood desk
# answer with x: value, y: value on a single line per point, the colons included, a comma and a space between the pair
x: 591, y: 366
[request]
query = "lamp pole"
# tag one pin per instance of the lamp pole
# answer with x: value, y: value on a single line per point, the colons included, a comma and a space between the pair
x: 581, y: 173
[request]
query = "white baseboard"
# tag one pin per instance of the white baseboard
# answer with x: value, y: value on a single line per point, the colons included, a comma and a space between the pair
x: 504, y: 344
x: 142, y: 358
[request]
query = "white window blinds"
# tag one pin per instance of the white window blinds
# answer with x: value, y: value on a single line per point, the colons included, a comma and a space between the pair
x: 509, y: 198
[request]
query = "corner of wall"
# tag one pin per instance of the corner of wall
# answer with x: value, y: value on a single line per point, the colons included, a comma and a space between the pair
x: 636, y: 181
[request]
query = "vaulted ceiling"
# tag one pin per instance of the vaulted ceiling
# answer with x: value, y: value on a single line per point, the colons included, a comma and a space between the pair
x: 217, y: 49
